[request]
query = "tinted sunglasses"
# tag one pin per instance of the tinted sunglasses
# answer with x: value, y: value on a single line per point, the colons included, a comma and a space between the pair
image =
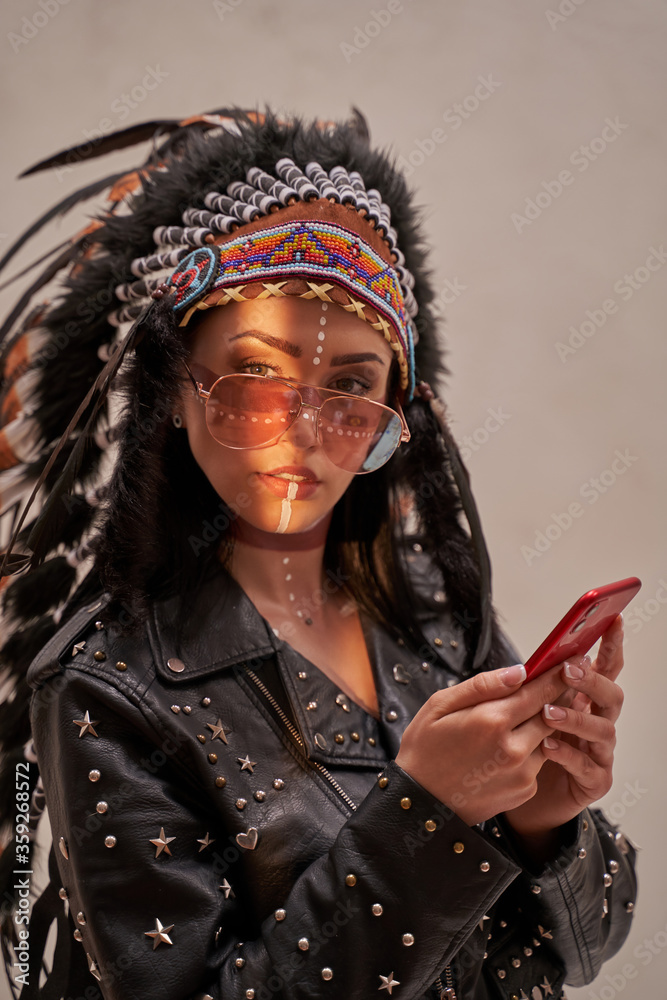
x: 254, y: 411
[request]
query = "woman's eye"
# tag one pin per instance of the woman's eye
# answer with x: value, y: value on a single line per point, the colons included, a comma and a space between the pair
x: 348, y: 383
x: 257, y: 369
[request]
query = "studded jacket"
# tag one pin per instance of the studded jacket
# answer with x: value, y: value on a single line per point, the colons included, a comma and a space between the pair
x: 228, y: 824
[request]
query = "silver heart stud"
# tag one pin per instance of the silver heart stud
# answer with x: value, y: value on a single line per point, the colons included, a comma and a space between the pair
x: 249, y: 839
x: 401, y: 676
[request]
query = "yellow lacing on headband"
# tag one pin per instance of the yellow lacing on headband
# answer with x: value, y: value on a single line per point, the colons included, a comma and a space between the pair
x: 234, y: 293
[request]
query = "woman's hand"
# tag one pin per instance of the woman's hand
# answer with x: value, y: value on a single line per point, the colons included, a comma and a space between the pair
x: 579, y: 751
x: 477, y: 746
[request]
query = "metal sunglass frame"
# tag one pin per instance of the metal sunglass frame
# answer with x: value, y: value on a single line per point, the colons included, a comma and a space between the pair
x: 291, y: 383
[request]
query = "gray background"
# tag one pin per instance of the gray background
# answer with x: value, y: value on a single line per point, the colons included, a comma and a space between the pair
x: 553, y: 79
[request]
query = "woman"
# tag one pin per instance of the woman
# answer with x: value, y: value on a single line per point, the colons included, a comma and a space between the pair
x: 284, y: 747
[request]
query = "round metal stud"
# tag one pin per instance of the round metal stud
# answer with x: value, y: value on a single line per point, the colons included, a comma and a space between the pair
x: 101, y: 807
x: 503, y: 924
x: 371, y: 741
x: 304, y: 944
x: 201, y: 737
x: 63, y: 893
x: 302, y: 675
x: 177, y: 667
x: 528, y: 952
x: 94, y: 775
x: 581, y: 853
x: 437, y: 641
x: 607, y: 879
x: 206, y: 702
x: 187, y: 709
x: 376, y: 909
x: 501, y: 973
x: 280, y: 914
x: 350, y: 879
x: 391, y: 715
x: 454, y: 643
x: 62, y: 846
x: 99, y: 626
x: 120, y: 664
x: 320, y: 741
x: 629, y: 907
x: 175, y: 709
x: 516, y: 962
x: 339, y: 738
x: 239, y: 962
x: 613, y: 867
x: 459, y: 848
x: 99, y: 655
x: 213, y: 758
x: 110, y: 841
x: 259, y: 795
x: 430, y: 825
x: 354, y: 737
x: 536, y: 889
x: 383, y: 781
x: 484, y: 866
x: 250, y: 994
x: 278, y: 783
x: 327, y: 973
x: 78, y: 936
x: 408, y: 939
x: 241, y: 803
x: 81, y: 919
x: 439, y: 596
x: 220, y: 782
x: 584, y: 825
x: 406, y: 802
x: 312, y: 705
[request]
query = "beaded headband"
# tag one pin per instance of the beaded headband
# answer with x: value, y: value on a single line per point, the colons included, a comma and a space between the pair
x: 305, y: 234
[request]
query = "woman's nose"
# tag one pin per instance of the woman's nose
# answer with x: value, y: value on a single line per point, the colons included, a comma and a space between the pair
x: 303, y: 432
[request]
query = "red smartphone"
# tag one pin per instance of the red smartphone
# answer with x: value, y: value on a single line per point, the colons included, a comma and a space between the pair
x: 582, y: 626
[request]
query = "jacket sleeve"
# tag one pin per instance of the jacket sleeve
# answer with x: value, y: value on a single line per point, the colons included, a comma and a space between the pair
x: 153, y: 901
x: 578, y: 906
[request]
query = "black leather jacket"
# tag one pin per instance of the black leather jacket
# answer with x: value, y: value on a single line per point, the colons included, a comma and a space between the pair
x: 228, y: 824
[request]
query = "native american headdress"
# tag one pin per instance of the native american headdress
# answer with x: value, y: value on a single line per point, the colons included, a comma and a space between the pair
x: 227, y: 205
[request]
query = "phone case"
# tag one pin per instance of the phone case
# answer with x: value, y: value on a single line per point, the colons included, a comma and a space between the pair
x: 583, y: 625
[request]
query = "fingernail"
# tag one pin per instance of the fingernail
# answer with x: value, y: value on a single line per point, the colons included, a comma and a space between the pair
x: 549, y: 743
x: 573, y: 671
x: 511, y: 676
x: 554, y: 712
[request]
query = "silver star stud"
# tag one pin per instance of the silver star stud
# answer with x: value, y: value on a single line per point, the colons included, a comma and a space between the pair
x: 160, y: 935
x: 86, y: 725
x: 388, y: 983
x: 161, y: 843
x: 217, y: 730
x: 227, y: 889
x: 205, y: 842
x: 545, y: 934
x: 546, y: 986
x: 483, y: 921
x: 92, y: 967
x: 78, y: 648
x: 246, y: 763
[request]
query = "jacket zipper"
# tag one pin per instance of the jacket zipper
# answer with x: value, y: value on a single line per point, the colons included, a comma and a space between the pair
x: 444, y: 993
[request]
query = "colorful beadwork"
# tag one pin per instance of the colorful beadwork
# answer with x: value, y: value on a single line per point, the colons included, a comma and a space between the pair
x: 301, y: 249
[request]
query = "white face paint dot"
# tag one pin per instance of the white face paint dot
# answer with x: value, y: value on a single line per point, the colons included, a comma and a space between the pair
x: 291, y: 597
x: 319, y: 349
x: 323, y: 321
x: 321, y: 335
x: 316, y: 361
x: 324, y: 307
x: 289, y: 576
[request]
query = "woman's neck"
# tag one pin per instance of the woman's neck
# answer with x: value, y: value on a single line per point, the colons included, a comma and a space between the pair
x: 283, y: 574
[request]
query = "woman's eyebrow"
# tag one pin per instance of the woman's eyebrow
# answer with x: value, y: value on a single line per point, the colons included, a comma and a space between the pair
x: 352, y: 359
x: 281, y: 345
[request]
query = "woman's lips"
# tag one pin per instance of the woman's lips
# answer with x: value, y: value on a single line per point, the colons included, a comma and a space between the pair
x: 277, y: 481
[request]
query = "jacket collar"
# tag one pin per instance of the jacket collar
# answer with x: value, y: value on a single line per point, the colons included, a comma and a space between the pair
x: 222, y: 629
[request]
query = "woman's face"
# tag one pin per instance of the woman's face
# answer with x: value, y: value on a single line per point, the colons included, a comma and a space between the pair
x: 308, y: 340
